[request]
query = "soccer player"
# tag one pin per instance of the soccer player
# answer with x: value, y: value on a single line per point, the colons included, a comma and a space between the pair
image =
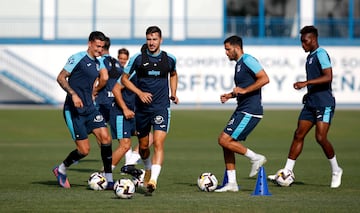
x: 105, y: 97
x: 123, y: 56
x: 77, y: 78
x: 319, y: 104
x: 155, y: 72
x: 249, y: 78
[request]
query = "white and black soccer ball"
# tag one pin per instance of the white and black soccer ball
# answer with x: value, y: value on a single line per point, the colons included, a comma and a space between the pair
x: 284, y: 177
x: 139, y: 182
x: 97, y: 181
x: 124, y: 188
x: 207, y: 182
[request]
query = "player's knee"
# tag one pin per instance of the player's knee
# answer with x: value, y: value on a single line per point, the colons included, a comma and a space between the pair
x: 84, y: 150
x: 105, y: 139
x: 126, y: 145
x: 321, y: 139
x: 222, y: 141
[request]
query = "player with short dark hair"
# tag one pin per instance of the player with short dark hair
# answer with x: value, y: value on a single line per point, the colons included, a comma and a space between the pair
x: 77, y: 78
x: 249, y: 78
x: 319, y: 104
x: 156, y: 74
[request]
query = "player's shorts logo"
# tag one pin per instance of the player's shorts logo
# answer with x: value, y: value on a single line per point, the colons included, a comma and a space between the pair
x: 98, y: 118
x: 159, y: 119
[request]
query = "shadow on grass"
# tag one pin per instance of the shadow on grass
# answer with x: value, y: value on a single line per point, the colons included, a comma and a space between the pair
x: 55, y: 183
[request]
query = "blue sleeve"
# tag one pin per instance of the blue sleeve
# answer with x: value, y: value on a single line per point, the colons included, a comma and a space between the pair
x: 172, y: 61
x: 324, y: 59
x: 131, y: 64
x: 252, y: 63
x: 102, y: 63
x: 73, y: 61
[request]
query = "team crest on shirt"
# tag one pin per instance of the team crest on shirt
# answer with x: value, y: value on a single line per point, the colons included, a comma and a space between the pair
x: 98, y: 118
x: 159, y: 119
x: 71, y: 60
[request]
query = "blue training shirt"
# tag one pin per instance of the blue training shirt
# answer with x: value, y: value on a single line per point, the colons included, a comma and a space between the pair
x: 152, y: 76
x: 319, y: 95
x: 246, y: 69
x: 84, y: 71
x: 105, y: 95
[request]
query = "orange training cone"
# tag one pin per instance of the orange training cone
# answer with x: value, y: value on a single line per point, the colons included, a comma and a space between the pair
x: 261, y: 187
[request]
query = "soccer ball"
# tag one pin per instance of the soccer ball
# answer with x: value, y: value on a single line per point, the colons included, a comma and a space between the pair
x: 139, y: 182
x: 124, y: 188
x: 97, y: 181
x: 207, y: 182
x: 284, y: 177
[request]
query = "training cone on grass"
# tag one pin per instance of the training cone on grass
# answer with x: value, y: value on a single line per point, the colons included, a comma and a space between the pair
x: 261, y: 188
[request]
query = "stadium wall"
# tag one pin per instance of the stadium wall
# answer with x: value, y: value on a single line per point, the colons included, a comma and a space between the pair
x: 204, y: 72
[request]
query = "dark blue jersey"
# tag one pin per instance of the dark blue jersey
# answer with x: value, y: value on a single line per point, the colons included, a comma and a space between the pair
x: 105, y: 95
x: 84, y: 71
x: 152, y: 72
x: 245, y: 74
x: 127, y: 95
x: 319, y: 94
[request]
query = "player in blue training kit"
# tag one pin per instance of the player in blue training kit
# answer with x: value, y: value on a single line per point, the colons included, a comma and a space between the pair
x: 249, y: 78
x: 319, y: 104
x: 78, y: 78
x: 153, y: 68
x: 105, y: 97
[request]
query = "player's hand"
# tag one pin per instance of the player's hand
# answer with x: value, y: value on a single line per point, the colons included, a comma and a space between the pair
x: 77, y: 101
x: 128, y: 114
x: 224, y: 98
x: 174, y: 99
x: 145, y: 97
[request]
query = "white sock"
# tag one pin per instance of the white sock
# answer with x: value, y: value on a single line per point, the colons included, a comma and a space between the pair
x: 155, y: 171
x: 128, y: 157
x: 109, y: 177
x: 147, y: 163
x: 250, y: 154
x: 62, y: 168
x: 334, y: 164
x: 112, y: 167
x: 231, y: 176
x: 134, y: 158
x: 290, y: 164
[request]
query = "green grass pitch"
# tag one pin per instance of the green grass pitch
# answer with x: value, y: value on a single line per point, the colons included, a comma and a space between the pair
x: 33, y: 141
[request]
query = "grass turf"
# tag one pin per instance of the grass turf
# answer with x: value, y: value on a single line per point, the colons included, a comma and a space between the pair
x: 33, y: 141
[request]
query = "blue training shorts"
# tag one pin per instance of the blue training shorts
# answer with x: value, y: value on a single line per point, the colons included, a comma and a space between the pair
x: 80, y: 126
x: 121, y: 127
x: 158, y: 120
x: 315, y: 114
x: 241, y: 125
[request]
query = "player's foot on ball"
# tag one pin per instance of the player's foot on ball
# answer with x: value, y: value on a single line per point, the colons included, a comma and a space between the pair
x: 256, y: 164
x: 61, y: 178
x: 150, y: 188
x: 336, y: 179
x: 272, y: 178
x: 229, y: 187
x: 131, y: 170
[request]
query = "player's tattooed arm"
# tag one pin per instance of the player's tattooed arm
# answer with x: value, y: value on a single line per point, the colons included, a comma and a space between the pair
x: 62, y: 80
